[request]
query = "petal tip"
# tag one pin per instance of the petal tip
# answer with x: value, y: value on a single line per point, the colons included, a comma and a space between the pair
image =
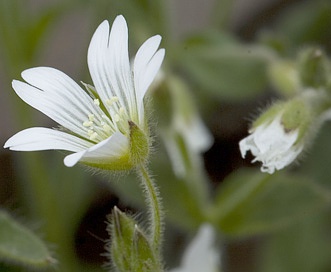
x: 120, y: 18
x: 72, y: 159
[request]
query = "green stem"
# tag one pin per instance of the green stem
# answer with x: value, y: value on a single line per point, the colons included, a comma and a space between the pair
x: 153, y: 202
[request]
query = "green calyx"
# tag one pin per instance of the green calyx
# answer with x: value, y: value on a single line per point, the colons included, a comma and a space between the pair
x: 268, y: 116
x: 130, y: 249
x: 297, y: 115
x: 137, y: 152
x: 139, y: 144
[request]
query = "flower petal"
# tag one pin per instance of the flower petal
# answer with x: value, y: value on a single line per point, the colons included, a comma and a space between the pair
x: 33, y: 139
x: 58, y: 96
x: 108, y: 61
x: 103, y: 153
x: 96, y: 61
x: 201, y: 254
x: 272, y: 145
x: 120, y: 63
x: 146, y: 68
x: 143, y: 57
x: 196, y: 134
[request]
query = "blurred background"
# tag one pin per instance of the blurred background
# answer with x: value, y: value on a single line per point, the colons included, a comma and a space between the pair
x: 224, y: 52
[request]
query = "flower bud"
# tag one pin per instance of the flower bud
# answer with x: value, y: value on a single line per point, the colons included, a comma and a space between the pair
x: 184, y: 134
x: 314, y: 68
x: 122, y: 230
x: 143, y: 253
x: 284, y: 76
x: 130, y: 248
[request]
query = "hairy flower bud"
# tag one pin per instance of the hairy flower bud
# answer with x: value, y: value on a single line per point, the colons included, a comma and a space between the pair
x: 130, y: 248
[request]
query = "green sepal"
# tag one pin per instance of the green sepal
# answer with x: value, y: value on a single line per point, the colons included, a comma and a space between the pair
x: 122, y: 230
x: 297, y: 115
x: 139, y: 144
x: 143, y: 252
x: 137, y: 152
x: 268, y: 116
x: 130, y: 248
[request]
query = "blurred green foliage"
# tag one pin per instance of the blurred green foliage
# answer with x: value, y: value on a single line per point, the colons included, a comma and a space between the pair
x: 20, y: 245
x: 287, y: 213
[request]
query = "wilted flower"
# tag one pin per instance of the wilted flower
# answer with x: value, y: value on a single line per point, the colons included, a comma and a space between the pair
x: 105, y: 126
x: 201, y: 254
x: 272, y: 145
x: 279, y: 135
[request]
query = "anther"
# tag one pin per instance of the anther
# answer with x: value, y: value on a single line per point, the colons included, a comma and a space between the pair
x: 106, y: 128
x: 93, y: 136
x: 96, y: 102
x: 116, y: 118
x: 121, y: 111
x: 87, y: 123
x: 91, y: 117
x: 112, y: 100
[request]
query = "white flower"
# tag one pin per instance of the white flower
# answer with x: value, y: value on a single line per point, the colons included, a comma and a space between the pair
x: 201, y: 255
x: 186, y: 136
x: 95, y: 124
x: 272, y: 145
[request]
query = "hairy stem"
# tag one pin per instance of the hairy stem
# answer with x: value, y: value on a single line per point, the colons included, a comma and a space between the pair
x: 154, y: 204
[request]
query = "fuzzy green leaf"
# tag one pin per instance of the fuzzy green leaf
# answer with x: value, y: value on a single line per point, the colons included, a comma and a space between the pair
x: 250, y: 203
x: 21, y: 246
x: 224, y: 68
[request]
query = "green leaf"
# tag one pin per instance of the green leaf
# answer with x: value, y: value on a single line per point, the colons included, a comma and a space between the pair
x: 304, y: 247
x: 223, y: 67
x: 250, y: 203
x: 317, y: 164
x: 184, y: 205
x: 20, y: 246
x: 306, y: 23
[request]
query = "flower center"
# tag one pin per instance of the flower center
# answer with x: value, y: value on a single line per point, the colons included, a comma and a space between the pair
x: 101, y: 126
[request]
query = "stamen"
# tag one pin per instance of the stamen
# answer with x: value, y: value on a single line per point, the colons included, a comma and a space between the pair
x: 122, y: 111
x: 91, y: 117
x: 93, y: 136
x: 106, y: 128
x: 96, y: 102
x: 112, y: 100
x: 87, y: 123
x: 116, y: 118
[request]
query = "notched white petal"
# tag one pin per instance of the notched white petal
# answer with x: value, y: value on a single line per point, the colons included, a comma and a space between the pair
x: 146, y: 52
x: 145, y: 72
